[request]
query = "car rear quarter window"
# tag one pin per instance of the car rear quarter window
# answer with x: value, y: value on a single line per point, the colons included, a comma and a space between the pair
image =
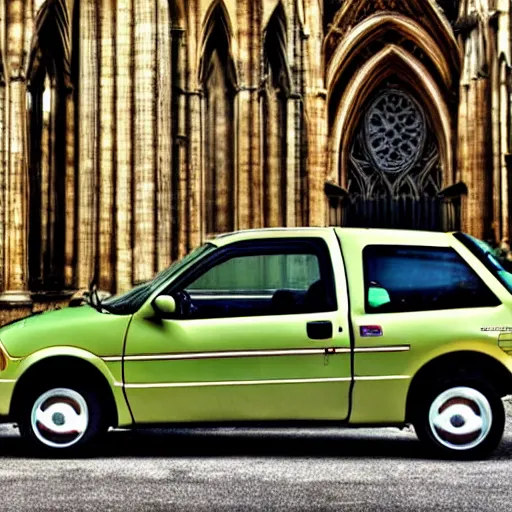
x: 421, y: 279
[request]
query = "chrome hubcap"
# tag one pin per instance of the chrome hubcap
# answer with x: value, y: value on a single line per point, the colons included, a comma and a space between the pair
x: 460, y: 418
x: 59, y: 418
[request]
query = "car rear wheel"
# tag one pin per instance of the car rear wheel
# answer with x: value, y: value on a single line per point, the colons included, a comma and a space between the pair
x: 61, y: 419
x: 462, y: 418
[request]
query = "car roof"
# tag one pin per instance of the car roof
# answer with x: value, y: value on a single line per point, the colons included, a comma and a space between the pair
x: 365, y: 236
x: 268, y: 233
x: 373, y: 235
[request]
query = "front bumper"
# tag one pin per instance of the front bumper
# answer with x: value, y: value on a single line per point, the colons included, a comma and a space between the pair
x: 6, y: 393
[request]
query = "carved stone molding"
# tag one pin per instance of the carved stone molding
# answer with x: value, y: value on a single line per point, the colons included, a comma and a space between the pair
x: 394, y: 131
x: 394, y: 150
x: 427, y: 13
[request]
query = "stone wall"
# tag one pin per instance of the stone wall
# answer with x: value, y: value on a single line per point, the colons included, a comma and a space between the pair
x: 131, y: 131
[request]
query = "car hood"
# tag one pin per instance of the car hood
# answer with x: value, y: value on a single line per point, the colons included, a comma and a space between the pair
x: 82, y: 327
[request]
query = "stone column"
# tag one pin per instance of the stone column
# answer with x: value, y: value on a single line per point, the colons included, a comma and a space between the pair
x: 294, y: 49
x: 316, y: 107
x: 124, y: 142
x: 107, y: 141
x: 163, y: 135
x: 3, y: 161
x: 474, y: 129
x: 88, y: 140
x: 504, y: 134
x: 144, y: 142
x: 248, y: 126
x: 179, y: 134
x: 504, y: 60
x: 496, y: 135
x: 16, y: 179
x: 194, y: 129
x: 70, y: 195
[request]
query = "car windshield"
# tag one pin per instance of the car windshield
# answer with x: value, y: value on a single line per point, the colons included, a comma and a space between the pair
x: 129, y: 302
x: 489, y: 257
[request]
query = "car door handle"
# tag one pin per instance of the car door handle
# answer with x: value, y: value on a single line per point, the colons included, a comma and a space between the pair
x: 319, y: 330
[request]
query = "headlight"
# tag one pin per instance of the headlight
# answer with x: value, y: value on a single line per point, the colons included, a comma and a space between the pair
x: 3, y: 358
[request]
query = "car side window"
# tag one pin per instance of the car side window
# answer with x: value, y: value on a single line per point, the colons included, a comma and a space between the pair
x: 260, y: 273
x: 406, y: 279
x: 273, y: 279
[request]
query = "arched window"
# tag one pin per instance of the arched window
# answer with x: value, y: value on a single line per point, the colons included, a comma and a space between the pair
x: 394, y: 174
x: 275, y: 120
x: 219, y: 84
x: 47, y: 97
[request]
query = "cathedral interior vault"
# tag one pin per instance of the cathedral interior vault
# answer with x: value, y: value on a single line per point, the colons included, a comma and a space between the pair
x: 131, y: 131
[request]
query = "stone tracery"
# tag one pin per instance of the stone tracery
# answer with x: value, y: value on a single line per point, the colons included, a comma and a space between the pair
x: 390, y: 168
x: 384, y: 148
x: 139, y: 151
x: 394, y: 131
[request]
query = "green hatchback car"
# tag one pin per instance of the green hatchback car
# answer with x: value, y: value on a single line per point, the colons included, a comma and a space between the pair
x: 318, y: 326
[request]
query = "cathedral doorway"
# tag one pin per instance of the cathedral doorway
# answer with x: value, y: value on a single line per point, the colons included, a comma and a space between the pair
x: 394, y: 175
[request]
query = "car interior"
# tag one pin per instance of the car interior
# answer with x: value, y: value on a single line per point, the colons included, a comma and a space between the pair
x: 225, y: 304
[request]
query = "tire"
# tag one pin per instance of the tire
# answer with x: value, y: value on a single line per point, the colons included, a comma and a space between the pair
x: 61, y: 419
x: 460, y: 418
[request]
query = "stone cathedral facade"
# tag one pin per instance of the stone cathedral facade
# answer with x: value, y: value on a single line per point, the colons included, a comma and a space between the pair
x: 132, y: 130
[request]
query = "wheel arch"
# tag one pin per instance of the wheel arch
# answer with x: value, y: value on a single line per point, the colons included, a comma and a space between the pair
x: 458, y: 362
x: 67, y: 366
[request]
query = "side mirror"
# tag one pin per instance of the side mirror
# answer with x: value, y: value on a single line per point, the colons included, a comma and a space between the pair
x: 165, y: 306
x: 377, y: 297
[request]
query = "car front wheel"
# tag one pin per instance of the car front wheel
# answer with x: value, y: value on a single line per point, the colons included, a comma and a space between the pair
x: 463, y: 418
x: 61, y: 419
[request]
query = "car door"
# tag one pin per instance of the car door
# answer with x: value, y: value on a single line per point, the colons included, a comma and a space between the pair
x: 419, y: 302
x: 266, y: 338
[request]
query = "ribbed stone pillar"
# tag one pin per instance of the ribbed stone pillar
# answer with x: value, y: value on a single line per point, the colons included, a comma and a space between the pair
x: 163, y: 163
x: 195, y: 154
x: 16, y: 189
x: 3, y: 165
x: 88, y: 134
x: 476, y: 167
x: 70, y: 237
x: 475, y: 126
x: 292, y: 165
x: 107, y: 139
x: 316, y: 109
x: 124, y: 143
x: 248, y: 127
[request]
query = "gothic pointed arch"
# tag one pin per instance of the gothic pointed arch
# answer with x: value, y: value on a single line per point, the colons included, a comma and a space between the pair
x: 276, y: 48
x: 217, y: 25
x: 384, y: 28
x: 390, y: 61
x: 353, y: 12
x: 277, y: 82
x: 219, y: 82
x: 49, y: 88
x: 51, y: 43
x: 383, y: 56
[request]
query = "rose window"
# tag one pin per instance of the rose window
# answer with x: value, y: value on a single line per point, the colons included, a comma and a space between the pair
x: 394, y: 131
